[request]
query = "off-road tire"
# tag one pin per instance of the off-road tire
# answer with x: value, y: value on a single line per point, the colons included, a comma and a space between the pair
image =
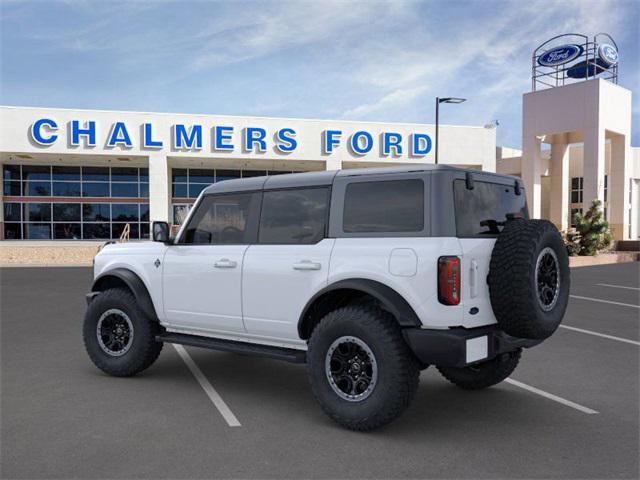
x: 398, y: 370
x: 144, y: 349
x: 512, y: 279
x: 483, y: 375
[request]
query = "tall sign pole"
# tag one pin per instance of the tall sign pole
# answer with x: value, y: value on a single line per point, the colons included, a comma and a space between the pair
x: 437, y: 125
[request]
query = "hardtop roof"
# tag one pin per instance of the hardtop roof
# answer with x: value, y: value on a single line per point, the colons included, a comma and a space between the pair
x: 314, y: 179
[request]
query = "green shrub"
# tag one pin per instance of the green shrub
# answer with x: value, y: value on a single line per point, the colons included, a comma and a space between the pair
x: 591, y: 234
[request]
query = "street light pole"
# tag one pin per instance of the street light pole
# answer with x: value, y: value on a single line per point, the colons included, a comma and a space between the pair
x: 438, y: 102
x: 437, y: 125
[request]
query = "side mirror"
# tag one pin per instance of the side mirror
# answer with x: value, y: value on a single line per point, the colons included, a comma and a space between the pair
x: 161, y: 232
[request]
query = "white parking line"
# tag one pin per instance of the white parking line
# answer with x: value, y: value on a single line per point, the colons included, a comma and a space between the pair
x: 616, y: 286
x: 605, y: 301
x: 610, y: 337
x: 211, y: 392
x: 551, y: 396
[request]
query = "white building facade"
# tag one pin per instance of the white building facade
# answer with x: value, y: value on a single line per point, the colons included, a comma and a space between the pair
x: 86, y: 174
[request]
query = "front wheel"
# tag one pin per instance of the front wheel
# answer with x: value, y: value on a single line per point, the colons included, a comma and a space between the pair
x: 118, y: 336
x: 485, y: 374
x: 360, y: 368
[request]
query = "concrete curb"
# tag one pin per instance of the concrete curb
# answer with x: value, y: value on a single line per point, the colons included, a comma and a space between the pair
x: 604, y: 259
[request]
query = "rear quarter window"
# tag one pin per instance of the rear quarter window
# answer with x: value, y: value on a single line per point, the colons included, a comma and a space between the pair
x: 384, y: 206
x: 482, y: 211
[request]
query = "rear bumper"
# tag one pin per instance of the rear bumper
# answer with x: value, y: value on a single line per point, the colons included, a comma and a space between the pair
x: 459, y: 347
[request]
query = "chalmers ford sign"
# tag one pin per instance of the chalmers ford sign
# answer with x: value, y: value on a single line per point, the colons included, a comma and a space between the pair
x: 221, y: 138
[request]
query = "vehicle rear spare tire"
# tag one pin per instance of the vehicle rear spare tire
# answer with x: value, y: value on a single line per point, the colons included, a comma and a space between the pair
x: 529, y: 279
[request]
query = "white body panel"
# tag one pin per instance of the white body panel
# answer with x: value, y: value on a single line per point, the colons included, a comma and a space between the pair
x: 277, y: 282
x: 376, y: 259
x: 140, y: 258
x: 202, y: 287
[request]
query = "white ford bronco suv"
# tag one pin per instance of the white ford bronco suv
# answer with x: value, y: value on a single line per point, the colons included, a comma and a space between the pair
x: 368, y: 276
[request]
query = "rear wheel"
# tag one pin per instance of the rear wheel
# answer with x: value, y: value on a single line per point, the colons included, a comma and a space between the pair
x: 483, y: 375
x: 118, y: 336
x: 360, y: 368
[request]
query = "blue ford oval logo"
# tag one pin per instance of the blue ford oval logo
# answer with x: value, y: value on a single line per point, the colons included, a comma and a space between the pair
x: 560, y: 55
x: 608, y: 54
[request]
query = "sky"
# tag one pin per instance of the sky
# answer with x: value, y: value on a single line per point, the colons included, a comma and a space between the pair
x: 368, y: 60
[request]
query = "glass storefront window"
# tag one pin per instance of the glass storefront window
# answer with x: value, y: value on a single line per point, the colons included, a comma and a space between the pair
x: 37, y: 231
x: 124, y: 174
x: 36, y: 172
x: 12, y: 231
x: 66, y: 173
x: 12, y: 188
x: 195, y: 189
x: 37, y: 189
x: 95, y: 189
x: 96, y: 231
x: 222, y: 175
x: 118, y: 228
x: 124, y: 212
x: 11, y: 172
x: 201, y: 175
x: 96, y: 212
x: 69, y: 231
x: 95, y: 174
x: 144, y: 212
x: 12, y: 212
x: 124, y: 190
x: 66, y: 212
x: 179, y: 190
x: 37, y: 212
x: 74, y: 221
x: 66, y: 189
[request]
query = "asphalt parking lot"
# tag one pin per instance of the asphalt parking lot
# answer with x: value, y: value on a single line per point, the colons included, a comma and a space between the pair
x: 571, y: 411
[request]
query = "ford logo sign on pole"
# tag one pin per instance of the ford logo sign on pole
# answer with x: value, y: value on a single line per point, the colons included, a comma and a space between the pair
x: 560, y: 55
x: 608, y: 54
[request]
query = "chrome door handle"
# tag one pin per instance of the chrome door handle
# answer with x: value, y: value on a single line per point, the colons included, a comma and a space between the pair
x: 225, y: 263
x: 307, y: 265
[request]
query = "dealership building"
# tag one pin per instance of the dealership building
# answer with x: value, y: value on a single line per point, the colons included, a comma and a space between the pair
x: 92, y: 175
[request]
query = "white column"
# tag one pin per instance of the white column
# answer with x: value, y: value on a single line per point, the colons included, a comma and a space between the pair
x: 159, y: 188
x: 559, y: 204
x: 593, y: 166
x: 531, y: 171
x: 618, y: 188
x: 333, y: 164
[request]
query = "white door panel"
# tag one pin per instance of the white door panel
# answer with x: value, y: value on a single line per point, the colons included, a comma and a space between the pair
x: 202, y: 287
x: 278, y: 281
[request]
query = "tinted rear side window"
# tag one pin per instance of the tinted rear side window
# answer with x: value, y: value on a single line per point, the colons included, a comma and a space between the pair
x: 384, y: 206
x: 296, y: 216
x: 483, y: 210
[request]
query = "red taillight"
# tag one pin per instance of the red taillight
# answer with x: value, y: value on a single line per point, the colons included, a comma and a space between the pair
x: 449, y: 280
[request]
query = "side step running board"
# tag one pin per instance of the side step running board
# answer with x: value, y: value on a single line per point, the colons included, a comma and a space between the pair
x: 243, y: 348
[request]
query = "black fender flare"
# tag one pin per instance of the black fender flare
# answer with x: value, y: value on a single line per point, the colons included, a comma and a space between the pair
x: 131, y: 280
x: 387, y: 296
